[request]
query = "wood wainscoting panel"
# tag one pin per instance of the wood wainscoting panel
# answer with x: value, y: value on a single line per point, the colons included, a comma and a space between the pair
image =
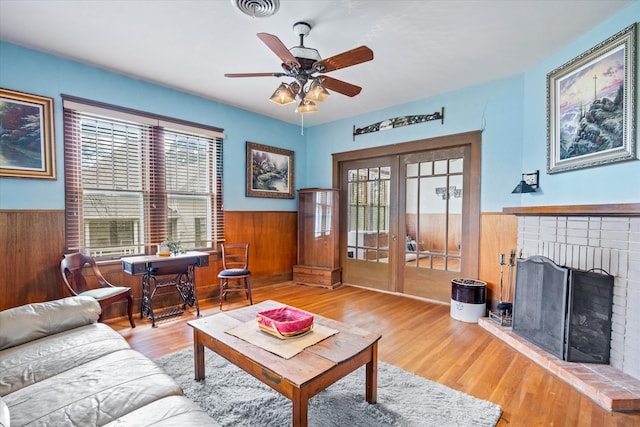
x: 32, y: 244
x: 272, y: 238
x: 498, y: 235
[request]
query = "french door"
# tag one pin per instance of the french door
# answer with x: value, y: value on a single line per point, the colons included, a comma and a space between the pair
x: 367, y: 218
x: 409, y: 221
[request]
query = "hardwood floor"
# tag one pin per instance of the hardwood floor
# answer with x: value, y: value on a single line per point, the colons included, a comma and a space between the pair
x: 421, y: 338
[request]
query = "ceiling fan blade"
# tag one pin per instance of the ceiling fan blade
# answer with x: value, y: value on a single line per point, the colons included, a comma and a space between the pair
x: 340, y: 86
x: 345, y: 59
x: 279, y: 49
x: 254, y: 75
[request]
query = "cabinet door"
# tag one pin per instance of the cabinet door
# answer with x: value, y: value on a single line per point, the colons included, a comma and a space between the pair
x: 317, y: 228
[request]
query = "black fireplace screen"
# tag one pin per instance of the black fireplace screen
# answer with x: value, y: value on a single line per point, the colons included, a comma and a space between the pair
x: 540, y: 303
x: 564, y: 311
x: 589, y: 318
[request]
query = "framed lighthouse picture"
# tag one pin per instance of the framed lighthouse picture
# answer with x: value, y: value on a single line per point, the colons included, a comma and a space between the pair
x: 591, y: 106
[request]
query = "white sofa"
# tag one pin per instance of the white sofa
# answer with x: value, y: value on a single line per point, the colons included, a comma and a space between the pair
x: 59, y: 367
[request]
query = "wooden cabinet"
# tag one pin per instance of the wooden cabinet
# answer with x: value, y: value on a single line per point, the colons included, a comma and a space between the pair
x: 318, y: 238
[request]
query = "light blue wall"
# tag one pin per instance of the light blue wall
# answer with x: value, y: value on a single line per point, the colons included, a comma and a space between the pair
x: 511, y: 112
x: 38, y: 73
x: 614, y: 183
x: 495, y: 108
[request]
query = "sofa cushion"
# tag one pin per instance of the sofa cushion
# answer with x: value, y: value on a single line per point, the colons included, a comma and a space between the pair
x: 167, y: 412
x: 32, y: 321
x: 37, y: 360
x: 4, y: 414
x: 95, y: 393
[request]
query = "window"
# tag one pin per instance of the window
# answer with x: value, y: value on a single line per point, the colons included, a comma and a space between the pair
x: 133, y: 179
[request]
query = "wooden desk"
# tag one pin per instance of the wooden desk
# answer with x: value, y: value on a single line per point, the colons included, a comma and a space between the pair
x: 181, y: 268
x: 298, y: 378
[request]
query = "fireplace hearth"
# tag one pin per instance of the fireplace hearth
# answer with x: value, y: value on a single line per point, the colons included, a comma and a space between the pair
x: 589, y: 238
x: 565, y: 311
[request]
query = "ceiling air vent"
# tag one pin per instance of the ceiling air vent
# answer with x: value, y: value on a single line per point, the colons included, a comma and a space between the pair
x: 257, y: 8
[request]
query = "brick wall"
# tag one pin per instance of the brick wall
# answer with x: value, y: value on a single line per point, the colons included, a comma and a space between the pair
x: 609, y: 243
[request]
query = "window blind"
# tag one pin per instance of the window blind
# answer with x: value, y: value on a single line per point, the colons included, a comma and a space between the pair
x: 132, y: 181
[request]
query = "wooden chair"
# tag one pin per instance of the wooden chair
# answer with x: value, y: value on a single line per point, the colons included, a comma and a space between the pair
x: 72, y: 266
x: 235, y: 268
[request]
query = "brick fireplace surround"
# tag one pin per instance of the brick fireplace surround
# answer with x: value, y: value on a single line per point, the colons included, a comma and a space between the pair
x: 586, y: 237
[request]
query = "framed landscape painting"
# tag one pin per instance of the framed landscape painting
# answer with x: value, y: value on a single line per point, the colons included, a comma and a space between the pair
x: 26, y: 135
x: 269, y: 171
x: 591, y: 106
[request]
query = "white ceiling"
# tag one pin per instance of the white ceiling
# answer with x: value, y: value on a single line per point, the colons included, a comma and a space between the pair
x: 421, y: 48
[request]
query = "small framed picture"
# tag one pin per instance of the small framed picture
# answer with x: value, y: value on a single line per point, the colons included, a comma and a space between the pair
x: 269, y: 172
x: 591, y: 106
x: 27, y: 149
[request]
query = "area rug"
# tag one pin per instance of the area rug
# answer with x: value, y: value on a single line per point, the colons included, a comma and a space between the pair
x: 234, y: 398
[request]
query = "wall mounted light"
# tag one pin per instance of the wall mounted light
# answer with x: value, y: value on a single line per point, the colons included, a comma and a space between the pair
x: 528, y: 183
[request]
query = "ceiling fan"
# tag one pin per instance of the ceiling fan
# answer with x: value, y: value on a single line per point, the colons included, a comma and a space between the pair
x: 308, y: 69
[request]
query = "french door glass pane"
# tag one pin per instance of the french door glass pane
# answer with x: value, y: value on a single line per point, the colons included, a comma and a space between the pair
x: 368, y: 214
x: 454, y: 222
x: 433, y: 210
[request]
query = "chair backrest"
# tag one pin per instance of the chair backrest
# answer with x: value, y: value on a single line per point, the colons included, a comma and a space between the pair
x: 235, y: 255
x: 72, y: 266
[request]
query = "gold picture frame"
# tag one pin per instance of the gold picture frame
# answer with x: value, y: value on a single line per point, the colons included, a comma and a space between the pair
x: 591, y: 103
x: 270, y: 172
x: 27, y: 148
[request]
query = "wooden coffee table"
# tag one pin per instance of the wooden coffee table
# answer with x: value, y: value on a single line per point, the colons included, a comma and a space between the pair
x: 298, y: 378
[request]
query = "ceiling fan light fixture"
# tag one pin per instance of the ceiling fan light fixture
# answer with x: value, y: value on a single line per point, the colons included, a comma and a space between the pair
x: 294, y: 87
x: 283, y: 95
x: 317, y: 92
x: 306, y: 106
x: 301, y: 64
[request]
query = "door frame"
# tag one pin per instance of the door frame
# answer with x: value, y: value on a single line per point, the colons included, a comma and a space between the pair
x: 473, y: 140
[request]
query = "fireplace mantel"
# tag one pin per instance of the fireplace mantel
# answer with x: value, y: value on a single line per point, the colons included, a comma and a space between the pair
x: 622, y: 209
